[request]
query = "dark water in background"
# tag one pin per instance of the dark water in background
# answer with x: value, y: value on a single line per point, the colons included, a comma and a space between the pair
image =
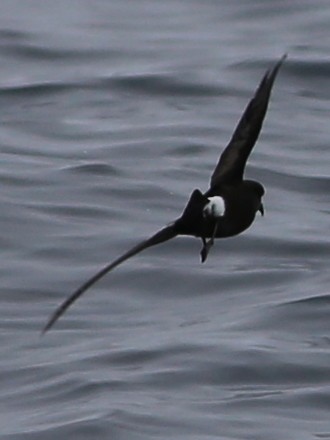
x: 111, y: 113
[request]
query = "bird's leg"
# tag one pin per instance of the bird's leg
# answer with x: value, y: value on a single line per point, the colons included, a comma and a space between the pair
x: 208, y: 244
x: 211, y: 241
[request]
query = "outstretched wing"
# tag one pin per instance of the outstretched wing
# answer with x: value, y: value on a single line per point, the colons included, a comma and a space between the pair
x: 230, y: 167
x: 163, y: 235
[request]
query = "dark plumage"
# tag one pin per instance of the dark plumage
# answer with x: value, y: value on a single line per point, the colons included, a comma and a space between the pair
x: 226, y: 209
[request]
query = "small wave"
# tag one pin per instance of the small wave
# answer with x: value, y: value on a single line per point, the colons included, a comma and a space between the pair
x: 298, y: 183
x: 14, y: 88
x: 319, y: 300
x: 309, y: 68
x: 159, y: 85
x: 99, y: 169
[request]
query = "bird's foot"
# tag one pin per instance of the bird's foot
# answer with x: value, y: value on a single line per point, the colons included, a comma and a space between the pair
x: 206, y: 249
x: 208, y: 244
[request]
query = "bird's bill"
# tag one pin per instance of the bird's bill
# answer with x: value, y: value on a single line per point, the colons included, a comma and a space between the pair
x: 261, y: 209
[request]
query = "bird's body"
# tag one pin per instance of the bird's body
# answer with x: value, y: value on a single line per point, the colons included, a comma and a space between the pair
x: 242, y: 201
x: 226, y: 209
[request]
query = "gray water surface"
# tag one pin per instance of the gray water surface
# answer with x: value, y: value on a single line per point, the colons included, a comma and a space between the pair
x: 111, y: 114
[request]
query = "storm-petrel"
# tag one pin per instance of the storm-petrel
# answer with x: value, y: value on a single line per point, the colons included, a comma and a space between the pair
x: 226, y: 209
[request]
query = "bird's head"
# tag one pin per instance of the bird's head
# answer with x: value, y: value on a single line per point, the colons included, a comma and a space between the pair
x: 259, y: 191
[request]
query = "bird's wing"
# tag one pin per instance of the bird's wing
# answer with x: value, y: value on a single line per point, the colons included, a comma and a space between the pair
x: 230, y: 167
x: 163, y: 235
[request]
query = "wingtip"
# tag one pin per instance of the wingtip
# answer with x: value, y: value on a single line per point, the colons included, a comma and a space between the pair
x: 282, y: 59
x: 273, y: 72
x: 49, y: 324
x: 270, y: 75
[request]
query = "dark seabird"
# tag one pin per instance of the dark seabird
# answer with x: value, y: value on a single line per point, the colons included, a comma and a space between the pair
x: 226, y: 209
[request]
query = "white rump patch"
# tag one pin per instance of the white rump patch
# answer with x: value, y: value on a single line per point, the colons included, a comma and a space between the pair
x: 215, y: 208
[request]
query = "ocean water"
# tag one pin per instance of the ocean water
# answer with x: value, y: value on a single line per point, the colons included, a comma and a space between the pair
x: 111, y: 113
